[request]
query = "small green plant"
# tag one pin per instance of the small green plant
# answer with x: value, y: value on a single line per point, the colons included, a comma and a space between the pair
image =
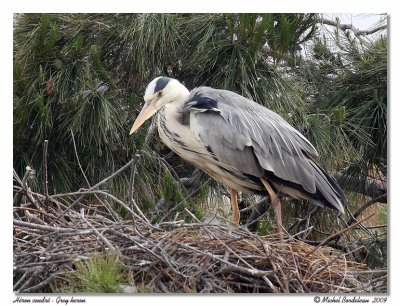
x: 100, y: 274
x: 264, y: 227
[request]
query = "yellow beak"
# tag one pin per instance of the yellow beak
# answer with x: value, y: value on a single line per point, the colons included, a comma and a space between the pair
x: 147, y: 111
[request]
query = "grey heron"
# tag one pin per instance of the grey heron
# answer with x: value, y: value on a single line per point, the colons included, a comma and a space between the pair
x: 239, y: 143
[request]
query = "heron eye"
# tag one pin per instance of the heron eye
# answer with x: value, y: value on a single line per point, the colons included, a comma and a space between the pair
x: 159, y: 94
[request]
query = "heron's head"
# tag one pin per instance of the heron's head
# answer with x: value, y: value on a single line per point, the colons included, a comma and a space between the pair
x: 159, y: 92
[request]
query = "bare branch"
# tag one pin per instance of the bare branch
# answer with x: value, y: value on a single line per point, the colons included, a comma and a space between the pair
x: 370, y: 187
x: 351, y: 27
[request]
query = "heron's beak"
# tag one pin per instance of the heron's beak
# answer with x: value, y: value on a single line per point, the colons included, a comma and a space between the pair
x: 148, y: 110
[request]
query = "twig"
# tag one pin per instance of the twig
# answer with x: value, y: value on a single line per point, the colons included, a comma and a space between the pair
x: 31, y: 278
x: 45, y: 178
x: 109, y: 208
x: 123, y: 168
x: 77, y: 158
x: 45, y: 175
x: 132, y: 178
x: 40, y: 285
x: 232, y: 267
x: 306, y: 219
x: 363, y: 207
x: 376, y: 226
x: 261, y: 206
x: 170, y: 169
x: 23, y: 277
x: 104, y: 239
x: 326, y: 240
x: 53, y: 229
x: 270, y: 284
x: 85, y: 192
x: 188, y: 196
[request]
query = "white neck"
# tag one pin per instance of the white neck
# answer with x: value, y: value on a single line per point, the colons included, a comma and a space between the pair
x: 178, y: 92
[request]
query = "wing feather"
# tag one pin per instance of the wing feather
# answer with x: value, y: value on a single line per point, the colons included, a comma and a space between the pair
x: 251, y: 138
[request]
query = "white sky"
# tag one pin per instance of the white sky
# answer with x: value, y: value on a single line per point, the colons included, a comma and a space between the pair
x: 361, y: 21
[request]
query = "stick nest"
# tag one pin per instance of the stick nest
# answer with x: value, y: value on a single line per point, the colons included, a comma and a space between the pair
x: 52, y: 232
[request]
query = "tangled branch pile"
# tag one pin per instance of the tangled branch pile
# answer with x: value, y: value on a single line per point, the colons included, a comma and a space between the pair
x: 52, y: 232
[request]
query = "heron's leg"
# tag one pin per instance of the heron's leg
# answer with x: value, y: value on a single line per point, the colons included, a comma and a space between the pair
x: 276, y: 206
x: 235, y: 207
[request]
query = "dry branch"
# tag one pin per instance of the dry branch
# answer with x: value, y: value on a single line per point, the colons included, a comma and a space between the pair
x: 356, y: 31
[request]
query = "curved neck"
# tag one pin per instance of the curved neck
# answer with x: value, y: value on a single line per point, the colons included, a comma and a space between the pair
x: 181, y: 94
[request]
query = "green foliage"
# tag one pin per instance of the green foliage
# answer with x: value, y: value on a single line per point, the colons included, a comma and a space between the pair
x: 98, y: 67
x: 171, y: 191
x: 362, y: 87
x: 99, y: 274
x: 63, y: 89
x: 348, y: 89
x: 338, y: 115
x: 287, y: 31
x: 376, y: 251
x: 264, y: 227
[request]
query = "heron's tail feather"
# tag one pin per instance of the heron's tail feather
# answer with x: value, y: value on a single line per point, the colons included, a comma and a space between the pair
x: 329, y: 189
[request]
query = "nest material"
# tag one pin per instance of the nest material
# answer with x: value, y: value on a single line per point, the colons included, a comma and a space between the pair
x: 52, y: 232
